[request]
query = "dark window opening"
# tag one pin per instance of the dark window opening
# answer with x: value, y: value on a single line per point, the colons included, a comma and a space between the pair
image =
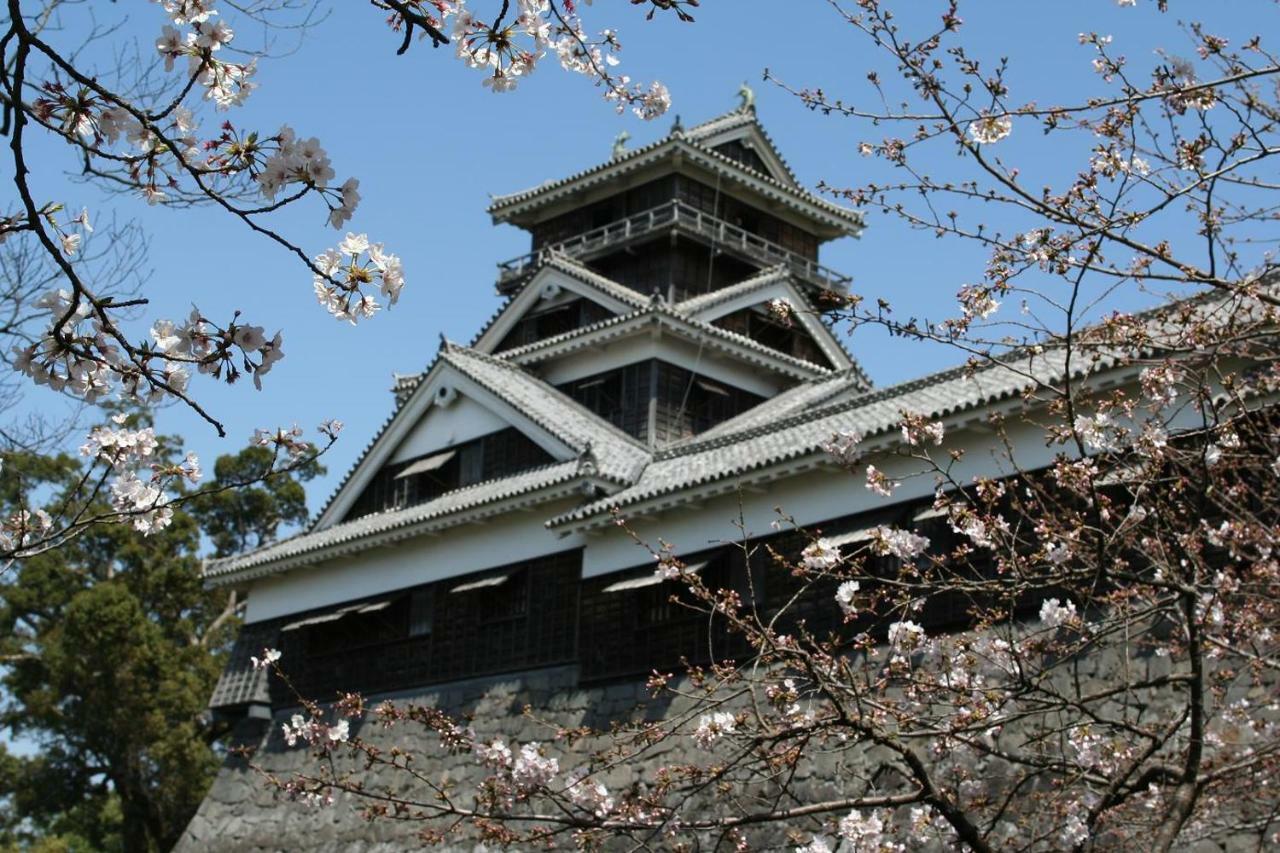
x: 415, y: 481
x: 755, y: 323
x: 684, y: 403
x: 619, y: 396
x: 632, y: 624
x: 745, y: 155
x: 456, y: 628
x: 540, y: 325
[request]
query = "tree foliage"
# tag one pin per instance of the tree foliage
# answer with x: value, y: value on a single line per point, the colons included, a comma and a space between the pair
x: 113, y: 646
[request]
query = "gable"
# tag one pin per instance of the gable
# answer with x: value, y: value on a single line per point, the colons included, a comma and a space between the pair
x: 446, y: 411
x: 562, y: 296
x: 730, y: 310
x: 446, y: 426
x: 744, y: 141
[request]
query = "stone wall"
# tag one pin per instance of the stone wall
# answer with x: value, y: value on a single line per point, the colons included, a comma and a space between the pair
x: 241, y: 813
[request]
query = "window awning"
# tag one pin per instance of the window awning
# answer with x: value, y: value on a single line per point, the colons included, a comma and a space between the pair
x: 866, y: 534
x: 335, y: 615
x: 431, y: 463
x: 483, y: 583
x: 652, y: 579
x: 929, y: 512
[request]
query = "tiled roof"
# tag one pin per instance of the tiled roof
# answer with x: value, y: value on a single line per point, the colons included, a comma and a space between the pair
x: 798, y: 423
x: 619, y: 456
x: 807, y: 395
x: 670, y: 145
x: 733, y: 120
x: 614, y: 327
x: 576, y: 269
x: 618, y: 452
x: 761, y: 441
x: 350, y: 536
x: 759, y: 281
x: 728, y: 121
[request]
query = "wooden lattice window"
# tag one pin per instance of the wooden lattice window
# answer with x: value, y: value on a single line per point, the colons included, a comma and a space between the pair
x: 512, y: 618
x: 620, y: 396
x: 632, y: 623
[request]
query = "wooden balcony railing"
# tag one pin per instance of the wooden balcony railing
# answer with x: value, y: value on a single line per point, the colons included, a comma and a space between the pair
x: 682, y: 218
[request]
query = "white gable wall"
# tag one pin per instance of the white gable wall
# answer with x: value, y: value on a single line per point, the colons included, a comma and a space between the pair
x: 444, y: 426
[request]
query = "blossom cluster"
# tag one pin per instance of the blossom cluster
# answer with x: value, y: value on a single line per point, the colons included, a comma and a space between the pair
x: 509, y: 50
x: 314, y: 732
x: 341, y: 275
x: 79, y: 354
x: 126, y: 452
x: 711, y: 727
x: 22, y: 528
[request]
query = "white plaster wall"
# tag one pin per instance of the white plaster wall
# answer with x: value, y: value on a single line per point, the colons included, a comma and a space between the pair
x: 810, y: 497
x: 509, y: 538
x: 444, y: 426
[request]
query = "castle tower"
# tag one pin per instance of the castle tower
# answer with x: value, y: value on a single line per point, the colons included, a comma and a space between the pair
x: 672, y: 295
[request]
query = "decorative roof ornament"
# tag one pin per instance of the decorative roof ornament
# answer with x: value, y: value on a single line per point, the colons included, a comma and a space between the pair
x: 588, y: 465
x: 620, y: 144
x: 748, y: 96
x: 677, y: 127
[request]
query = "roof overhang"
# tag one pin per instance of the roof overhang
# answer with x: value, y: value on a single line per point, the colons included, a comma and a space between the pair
x: 440, y: 379
x: 401, y: 525
x: 659, y: 321
x: 798, y: 460
x: 542, y: 289
x: 778, y: 286
x: 678, y: 155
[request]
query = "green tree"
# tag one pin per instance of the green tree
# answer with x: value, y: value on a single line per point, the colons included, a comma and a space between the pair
x: 112, y: 645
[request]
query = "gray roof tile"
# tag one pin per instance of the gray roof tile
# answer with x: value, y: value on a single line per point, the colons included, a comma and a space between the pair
x: 770, y: 437
x: 619, y: 456
x: 346, y: 537
x: 672, y: 318
x: 669, y: 146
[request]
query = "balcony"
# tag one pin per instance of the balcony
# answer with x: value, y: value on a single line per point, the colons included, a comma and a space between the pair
x: 679, y: 218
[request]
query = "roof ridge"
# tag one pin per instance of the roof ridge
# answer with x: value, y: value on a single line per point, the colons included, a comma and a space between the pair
x: 874, y: 395
x: 565, y: 399
x: 765, y: 276
x: 408, y: 515
x: 360, y: 457
x: 830, y: 208
x: 574, y: 267
x: 665, y: 310
x: 581, y: 331
x: 742, y: 116
x: 735, y: 337
x: 738, y: 112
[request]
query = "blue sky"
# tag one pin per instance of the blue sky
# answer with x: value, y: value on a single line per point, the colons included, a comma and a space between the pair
x: 430, y: 145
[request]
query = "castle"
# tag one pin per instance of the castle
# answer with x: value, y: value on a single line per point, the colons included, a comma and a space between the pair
x: 663, y: 354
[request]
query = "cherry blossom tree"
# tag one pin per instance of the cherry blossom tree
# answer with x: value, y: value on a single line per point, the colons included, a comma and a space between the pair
x: 162, y: 127
x: 1112, y: 681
